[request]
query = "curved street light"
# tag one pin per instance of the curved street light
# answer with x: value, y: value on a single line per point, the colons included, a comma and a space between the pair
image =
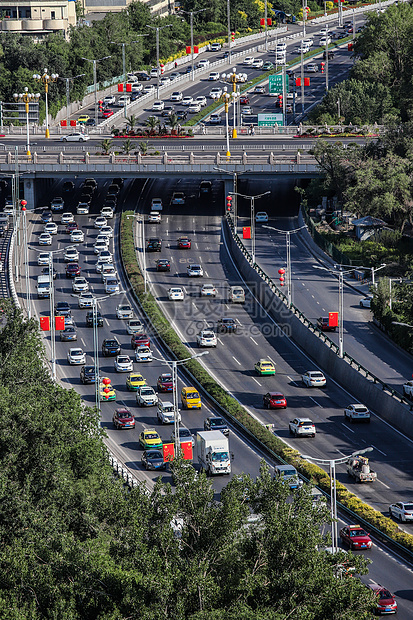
x: 46, y: 79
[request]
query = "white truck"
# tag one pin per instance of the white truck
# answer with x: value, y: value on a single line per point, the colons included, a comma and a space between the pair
x: 43, y: 286
x: 358, y: 467
x: 213, y: 452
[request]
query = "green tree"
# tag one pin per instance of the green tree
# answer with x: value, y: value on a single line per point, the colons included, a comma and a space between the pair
x: 152, y: 122
x: 172, y: 121
x: 127, y: 147
x: 131, y: 122
x: 106, y: 145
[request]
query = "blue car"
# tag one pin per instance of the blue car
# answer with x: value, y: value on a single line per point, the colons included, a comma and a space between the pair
x: 46, y: 217
x: 153, y: 459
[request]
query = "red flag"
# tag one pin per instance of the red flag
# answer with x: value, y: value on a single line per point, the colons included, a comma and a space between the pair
x: 59, y: 322
x: 333, y: 319
x: 186, y: 447
x: 306, y: 81
x: 168, y: 451
x: 45, y: 323
x: 120, y: 88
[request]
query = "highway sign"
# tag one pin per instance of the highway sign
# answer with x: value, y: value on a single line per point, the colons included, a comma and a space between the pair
x: 275, y: 83
x: 270, y: 120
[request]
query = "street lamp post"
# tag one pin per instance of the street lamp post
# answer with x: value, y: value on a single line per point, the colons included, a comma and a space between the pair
x: 229, y: 30
x: 123, y: 44
x: 26, y: 98
x: 67, y: 79
x: 46, y: 79
x: 173, y: 364
x: 287, y: 234
x: 226, y: 97
x: 252, y: 199
x: 95, y: 61
x: 234, y: 193
x: 191, y: 21
x: 157, y: 29
x: 333, y: 491
x: 26, y: 259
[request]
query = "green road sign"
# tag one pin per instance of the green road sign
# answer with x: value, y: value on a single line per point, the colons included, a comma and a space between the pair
x: 276, y: 83
x: 270, y: 120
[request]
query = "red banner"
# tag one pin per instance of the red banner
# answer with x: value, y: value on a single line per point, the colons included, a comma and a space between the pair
x: 186, y: 447
x: 120, y: 88
x: 298, y: 81
x: 73, y: 123
x: 333, y: 319
x: 246, y: 232
x: 59, y: 322
x: 306, y: 81
x: 128, y: 88
x: 188, y: 49
x: 45, y: 323
x: 63, y: 123
x: 168, y: 450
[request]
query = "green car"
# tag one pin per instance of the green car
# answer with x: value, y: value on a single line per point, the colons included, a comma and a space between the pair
x: 267, y: 66
x: 149, y: 438
x: 265, y: 367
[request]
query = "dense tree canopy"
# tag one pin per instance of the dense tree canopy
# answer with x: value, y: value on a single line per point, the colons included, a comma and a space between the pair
x: 75, y: 544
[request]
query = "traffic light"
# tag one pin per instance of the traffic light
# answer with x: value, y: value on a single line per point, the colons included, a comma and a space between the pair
x: 281, y: 271
x: 229, y: 203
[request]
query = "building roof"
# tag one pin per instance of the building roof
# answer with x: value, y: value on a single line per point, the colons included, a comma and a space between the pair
x: 369, y: 222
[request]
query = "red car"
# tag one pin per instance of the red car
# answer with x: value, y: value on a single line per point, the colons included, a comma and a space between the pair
x: 274, y: 400
x: 386, y: 601
x: 139, y: 340
x: 244, y: 100
x: 107, y: 112
x: 184, y: 243
x: 355, y: 537
x: 122, y: 418
x: 71, y: 226
x: 72, y: 270
x: 165, y: 383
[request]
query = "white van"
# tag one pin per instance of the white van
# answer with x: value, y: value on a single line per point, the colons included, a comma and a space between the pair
x: 43, y: 286
x: 236, y: 295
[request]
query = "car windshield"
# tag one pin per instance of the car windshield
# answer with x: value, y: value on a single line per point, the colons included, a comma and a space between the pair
x: 123, y: 359
x: 151, y: 436
x: 111, y: 343
x: 288, y: 472
x: 316, y: 375
x: 192, y: 395
x: 124, y: 414
x: 360, y: 409
x: 217, y: 422
x: 184, y: 432
x: 408, y: 506
x: 383, y: 594
x: 357, y: 533
x: 168, y: 409
x: 219, y: 457
x: 147, y: 392
x: 155, y: 454
x: 77, y: 352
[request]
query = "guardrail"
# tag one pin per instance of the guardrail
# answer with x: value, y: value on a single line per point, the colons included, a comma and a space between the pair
x: 321, y: 335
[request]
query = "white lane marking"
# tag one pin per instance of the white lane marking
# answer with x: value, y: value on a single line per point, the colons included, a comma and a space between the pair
x: 83, y: 342
x: 206, y: 273
x: 314, y: 401
x: 381, y: 452
x: 251, y: 338
x: 381, y: 482
x: 107, y: 322
x: 234, y: 358
x: 237, y: 320
x: 256, y: 380
x: 194, y: 304
x: 271, y: 360
x: 220, y: 341
x: 196, y: 245
x: 349, y: 429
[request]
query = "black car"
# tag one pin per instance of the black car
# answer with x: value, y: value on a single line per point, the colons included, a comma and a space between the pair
x: 46, y: 217
x: 91, y: 182
x: 182, y: 115
x: 111, y: 201
x: 163, y: 264
x: 68, y: 334
x: 143, y: 77
x: 88, y: 189
x: 85, y: 198
x: 226, y: 325
x: 154, y: 244
x: 68, y: 186
x: 110, y: 347
x: 205, y: 188
x: 89, y: 319
x: 91, y: 122
x: 216, y: 424
x: 330, y: 55
x: 113, y: 190
x: 168, y: 110
x: 134, y: 96
x: 87, y: 374
x: 153, y: 459
x: 62, y: 308
x: 342, y: 35
x: 46, y: 271
x: 118, y: 181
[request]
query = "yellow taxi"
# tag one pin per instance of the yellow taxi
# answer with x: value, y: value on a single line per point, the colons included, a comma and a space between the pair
x: 190, y: 398
x: 106, y: 390
x: 83, y: 118
x: 149, y: 438
x: 134, y: 381
x: 265, y: 367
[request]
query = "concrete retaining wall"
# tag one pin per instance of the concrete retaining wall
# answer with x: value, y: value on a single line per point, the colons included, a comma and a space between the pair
x: 364, y: 389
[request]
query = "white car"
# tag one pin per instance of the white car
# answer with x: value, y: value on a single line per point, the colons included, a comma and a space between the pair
x: 71, y: 255
x: 76, y: 356
x: 208, y: 290
x: 158, y: 106
x: 149, y: 88
x: 82, y: 208
x: 154, y: 72
x: 403, y: 511
x: 357, y: 412
x: 156, y: 204
x: 100, y: 221
x: 281, y: 47
x: 99, y: 246
x: 109, y: 100
x: 77, y: 236
x: 43, y: 258
x: 76, y: 136
x: 312, y: 68
x: 257, y: 64
x: 111, y: 286
x: 184, y: 435
x: 67, y: 218
x: 215, y: 93
x: 324, y: 41
x: 107, y: 212
x: 45, y: 239
x: 206, y: 338
x: 201, y: 100
x: 214, y: 76
x: 124, y: 311
x: 187, y: 100
x: 123, y: 100
x: 365, y: 302
x: 194, y: 271
x: 215, y: 119
x: 176, y: 96
x: 215, y: 47
x: 146, y: 396
x: 103, y: 238
x: 154, y: 217
x: 308, y: 42
x: 302, y: 427
x: 175, y: 293
x: 303, y: 49
x: 134, y: 326
x: 50, y: 228
x: 80, y: 284
x: 203, y: 63
x: 107, y: 271
x: 165, y: 412
x: 261, y: 216
x: 247, y: 111
x: 107, y: 230
x: 194, y: 108
x: 100, y: 266
x: 105, y: 256
x: 123, y: 363
x: 143, y: 354
x: 174, y: 76
x: 248, y: 60
x: 314, y: 378
x: 86, y: 300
